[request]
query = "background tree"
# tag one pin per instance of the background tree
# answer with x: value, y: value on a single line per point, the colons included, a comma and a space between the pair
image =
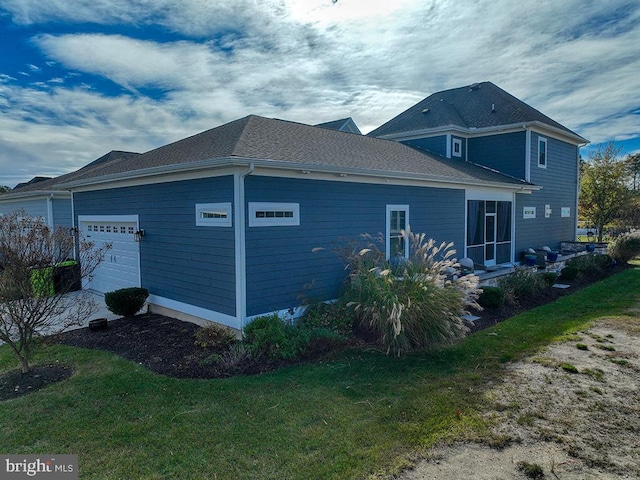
x: 633, y: 167
x: 30, y: 301
x: 604, y: 187
x: 4, y: 189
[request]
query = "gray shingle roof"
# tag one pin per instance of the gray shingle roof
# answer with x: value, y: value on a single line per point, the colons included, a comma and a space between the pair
x: 94, y: 167
x: 466, y: 107
x: 285, y: 144
x: 343, y: 125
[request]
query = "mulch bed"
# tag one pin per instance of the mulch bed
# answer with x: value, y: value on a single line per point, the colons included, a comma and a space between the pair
x: 14, y: 384
x: 166, y: 345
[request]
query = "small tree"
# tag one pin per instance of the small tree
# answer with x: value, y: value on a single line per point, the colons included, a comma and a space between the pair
x: 4, y: 189
x: 29, y: 253
x: 604, y: 189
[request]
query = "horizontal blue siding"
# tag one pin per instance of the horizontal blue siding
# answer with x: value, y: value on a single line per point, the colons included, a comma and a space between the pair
x: 505, y: 153
x: 431, y: 144
x: 179, y: 261
x: 34, y: 208
x: 560, y: 182
x: 62, y: 212
x: 280, y: 261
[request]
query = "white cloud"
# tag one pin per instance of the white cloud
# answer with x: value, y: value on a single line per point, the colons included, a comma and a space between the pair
x: 315, y: 60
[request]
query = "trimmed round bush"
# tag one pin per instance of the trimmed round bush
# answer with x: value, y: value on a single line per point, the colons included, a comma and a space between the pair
x: 569, y: 273
x: 491, y: 297
x: 126, y: 301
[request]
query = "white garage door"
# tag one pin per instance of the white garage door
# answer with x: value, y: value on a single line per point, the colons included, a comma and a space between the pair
x: 121, y: 265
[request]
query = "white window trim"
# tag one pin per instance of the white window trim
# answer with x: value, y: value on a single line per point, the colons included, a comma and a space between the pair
x: 291, y: 221
x: 456, y: 141
x: 223, y: 209
x: 546, y: 152
x: 395, y: 208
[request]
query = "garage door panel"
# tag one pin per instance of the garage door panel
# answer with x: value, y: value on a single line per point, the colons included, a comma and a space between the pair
x: 120, y: 267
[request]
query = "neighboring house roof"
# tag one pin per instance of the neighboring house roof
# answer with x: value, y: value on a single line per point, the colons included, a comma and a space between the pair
x: 342, y: 125
x: 52, y: 185
x: 31, y: 182
x: 288, y: 145
x: 473, y: 107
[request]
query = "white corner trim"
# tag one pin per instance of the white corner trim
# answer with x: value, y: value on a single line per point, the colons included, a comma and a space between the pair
x: 527, y: 156
x: 448, y: 153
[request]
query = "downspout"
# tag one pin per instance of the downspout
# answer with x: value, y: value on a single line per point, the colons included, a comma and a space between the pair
x: 527, y: 155
x: 50, y: 211
x: 240, y: 244
x: 74, y: 228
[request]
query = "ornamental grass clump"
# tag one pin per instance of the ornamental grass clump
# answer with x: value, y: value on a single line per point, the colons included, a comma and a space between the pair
x: 414, y: 303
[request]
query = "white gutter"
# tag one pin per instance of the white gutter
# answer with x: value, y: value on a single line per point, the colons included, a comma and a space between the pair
x: 240, y: 244
x: 283, y: 165
x: 474, y: 131
x: 50, y: 211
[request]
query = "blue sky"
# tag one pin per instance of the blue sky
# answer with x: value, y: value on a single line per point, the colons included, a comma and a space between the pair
x: 79, y: 78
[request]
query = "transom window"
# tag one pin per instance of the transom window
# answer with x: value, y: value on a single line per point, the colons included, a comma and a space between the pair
x: 397, y: 243
x: 213, y: 214
x: 542, y: 152
x: 272, y: 214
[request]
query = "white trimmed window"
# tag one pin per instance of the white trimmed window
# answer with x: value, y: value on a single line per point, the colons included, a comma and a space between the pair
x: 213, y: 214
x: 542, y: 152
x: 397, y: 243
x: 271, y: 214
x: 456, y: 149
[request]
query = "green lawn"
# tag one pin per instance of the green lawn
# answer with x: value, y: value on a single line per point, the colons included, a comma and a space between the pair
x: 359, y: 414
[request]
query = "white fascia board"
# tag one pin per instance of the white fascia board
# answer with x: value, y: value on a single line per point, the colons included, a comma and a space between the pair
x: 34, y: 195
x: 316, y: 172
x: 484, y: 131
x: 416, y: 134
x: 229, y: 166
x: 175, y: 173
x: 558, y: 134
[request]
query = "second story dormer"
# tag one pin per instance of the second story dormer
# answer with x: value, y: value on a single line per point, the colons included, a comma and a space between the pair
x: 485, y: 125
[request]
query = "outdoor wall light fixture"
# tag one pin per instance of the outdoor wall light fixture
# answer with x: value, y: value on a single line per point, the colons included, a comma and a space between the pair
x: 137, y: 236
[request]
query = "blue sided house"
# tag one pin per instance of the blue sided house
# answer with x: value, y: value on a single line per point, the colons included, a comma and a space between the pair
x: 222, y: 225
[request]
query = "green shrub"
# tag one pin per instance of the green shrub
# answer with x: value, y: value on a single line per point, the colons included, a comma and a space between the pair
x: 126, y: 301
x: 330, y: 316
x: 491, y: 297
x: 522, y: 283
x: 549, y: 278
x: 625, y: 247
x: 269, y: 335
x: 569, y: 273
x: 215, y: 336
x: 591, y: 263
x: 416, y: 307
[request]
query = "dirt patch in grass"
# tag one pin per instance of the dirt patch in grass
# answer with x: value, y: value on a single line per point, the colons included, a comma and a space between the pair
x: 573, y: 425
